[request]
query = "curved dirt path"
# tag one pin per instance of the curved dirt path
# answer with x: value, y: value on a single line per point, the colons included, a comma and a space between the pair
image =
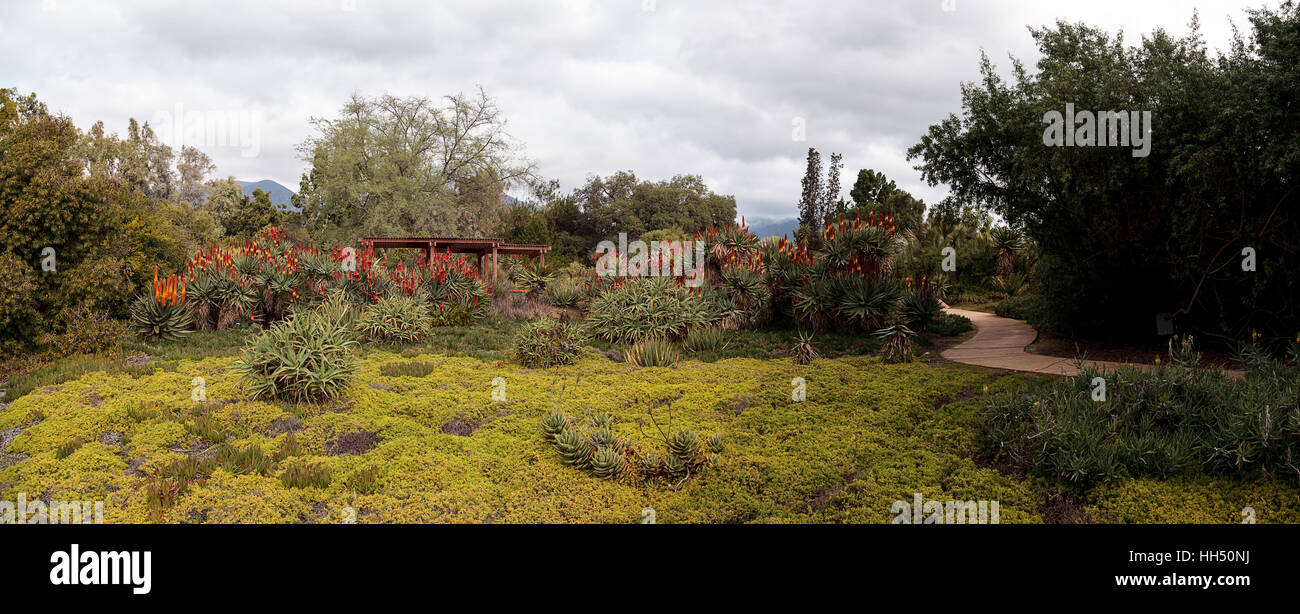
x: 999, y: 343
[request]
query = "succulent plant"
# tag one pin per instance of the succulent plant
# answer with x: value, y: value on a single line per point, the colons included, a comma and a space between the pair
x: 155, y: 320
x: 574, y: 450
x: 607, y: 462
x: 803, y: 351
x: 600, y: 420
x: 603, y: 437
x: 553, y: 424
x: 684, y: 445
x: 715, y: 443
x: 652, y: 465
x: 715, y: 460
x: 674, y: 466
x: 652, y: 352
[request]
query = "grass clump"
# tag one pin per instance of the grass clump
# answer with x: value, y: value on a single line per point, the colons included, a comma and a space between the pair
x: 397, y: 319
x: 304, y: 474
x: 67, y: 449
x: 547, y: 343
x: 653, y: 352
x: 708, y: 339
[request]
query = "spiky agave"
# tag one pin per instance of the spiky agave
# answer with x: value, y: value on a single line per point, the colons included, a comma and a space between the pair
x: 803, y: 350
x: 869, y: 302
x: 898, y: 342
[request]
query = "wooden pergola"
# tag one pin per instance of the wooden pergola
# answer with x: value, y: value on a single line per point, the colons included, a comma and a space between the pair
x: 483, y: 248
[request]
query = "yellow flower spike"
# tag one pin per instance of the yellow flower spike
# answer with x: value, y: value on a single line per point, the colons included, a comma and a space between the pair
x: 986, y: 388
x: 1157, y: 360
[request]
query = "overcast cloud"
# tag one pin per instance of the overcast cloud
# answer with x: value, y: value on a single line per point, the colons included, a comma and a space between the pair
x: 590, y: 87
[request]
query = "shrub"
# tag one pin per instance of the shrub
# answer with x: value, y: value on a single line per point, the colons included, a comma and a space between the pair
x: 307, y: 357
x: 648, y: 307
x: 17, y: 303
x: 564, y: 294
x: 1023, y: 307
x: 708, y: 339
x: 920, y: 309
x: 652, y: 352
x: 84, y: 332
x: 1175, y: 418
x: 398, y: 319
x: 546, y: 343
x: 951, y: 325
x: 451, y: 315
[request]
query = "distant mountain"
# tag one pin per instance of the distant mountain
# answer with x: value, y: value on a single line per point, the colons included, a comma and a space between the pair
x: 773, y: 228
x: 279, y: 194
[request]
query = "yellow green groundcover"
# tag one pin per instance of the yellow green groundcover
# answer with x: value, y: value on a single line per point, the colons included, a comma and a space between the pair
x: 441, y: 448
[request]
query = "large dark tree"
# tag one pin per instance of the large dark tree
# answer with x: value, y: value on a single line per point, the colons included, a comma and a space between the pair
x: 1124, y: 237
x: 871, y: 189
x: 873, y: 192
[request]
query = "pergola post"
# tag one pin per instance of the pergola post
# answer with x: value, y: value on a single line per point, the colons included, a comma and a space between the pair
x: 494, y: 265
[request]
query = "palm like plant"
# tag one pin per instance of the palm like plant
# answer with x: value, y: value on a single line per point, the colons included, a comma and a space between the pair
x: 1007, y: 241
x: 898, y: 342
x: 868, y: 303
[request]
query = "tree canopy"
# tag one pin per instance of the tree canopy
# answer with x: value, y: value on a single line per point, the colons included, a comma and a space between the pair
x: 391, y: 165
x: 1124, y: 237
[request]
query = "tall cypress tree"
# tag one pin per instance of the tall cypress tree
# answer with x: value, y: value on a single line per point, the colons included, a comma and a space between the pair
x: 810, y: 201
x: 831, y: 204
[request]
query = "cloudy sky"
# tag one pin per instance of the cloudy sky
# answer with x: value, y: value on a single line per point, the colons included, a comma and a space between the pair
x: 659, y: 87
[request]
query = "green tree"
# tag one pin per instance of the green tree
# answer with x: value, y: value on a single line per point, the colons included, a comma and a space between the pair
x: 871, y: 189
x: 810, y: 220
x: 1125, y: 236
x: 104, y: 233
x: 392, y: 165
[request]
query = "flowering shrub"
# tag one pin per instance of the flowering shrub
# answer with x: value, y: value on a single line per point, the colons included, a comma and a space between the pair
x: 162, y: 313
